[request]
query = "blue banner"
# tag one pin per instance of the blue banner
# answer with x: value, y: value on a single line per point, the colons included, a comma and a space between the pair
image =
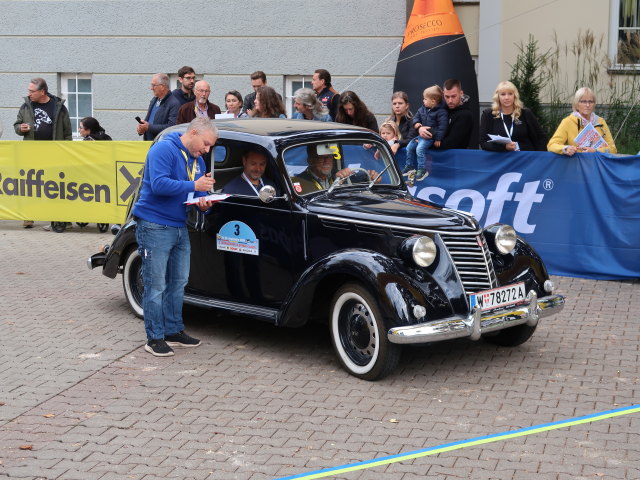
x: 580, y: 213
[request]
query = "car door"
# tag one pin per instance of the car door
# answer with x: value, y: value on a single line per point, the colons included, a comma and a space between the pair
x: 249, y: 252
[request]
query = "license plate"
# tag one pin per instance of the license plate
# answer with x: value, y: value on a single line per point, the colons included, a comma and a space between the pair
x: 498, y: 297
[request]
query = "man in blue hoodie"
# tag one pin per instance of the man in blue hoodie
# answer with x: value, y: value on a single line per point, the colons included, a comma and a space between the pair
x: 174, y: 168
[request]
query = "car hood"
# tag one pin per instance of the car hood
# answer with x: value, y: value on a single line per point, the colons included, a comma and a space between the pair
x: 392, y: 208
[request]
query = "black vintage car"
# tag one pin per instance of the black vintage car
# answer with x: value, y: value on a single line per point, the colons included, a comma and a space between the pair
x: 380, y: 267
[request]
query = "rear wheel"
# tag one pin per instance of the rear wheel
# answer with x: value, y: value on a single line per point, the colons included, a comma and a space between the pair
x: 510, y: 337
x: 359, y: 336
x: 132, y: 282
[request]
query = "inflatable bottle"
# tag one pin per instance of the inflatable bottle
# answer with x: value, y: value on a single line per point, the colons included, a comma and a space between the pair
x: 435, y: 49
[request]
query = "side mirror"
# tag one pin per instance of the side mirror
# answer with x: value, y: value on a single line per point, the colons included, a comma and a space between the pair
x: 267, y: 194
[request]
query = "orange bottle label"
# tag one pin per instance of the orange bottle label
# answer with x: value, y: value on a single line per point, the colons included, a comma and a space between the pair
x: 420, y: 27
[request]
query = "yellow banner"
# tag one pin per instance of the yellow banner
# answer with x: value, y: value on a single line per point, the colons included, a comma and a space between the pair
x: 69, y: 181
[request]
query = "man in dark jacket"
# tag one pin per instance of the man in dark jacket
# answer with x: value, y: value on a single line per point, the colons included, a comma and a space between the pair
x: 187, y: 77
x: 258, y: 79
x: 42, y: 116
x: 163, y: 109
x: 252, y: 179
x: 460, y: 118
x: 321, y: 84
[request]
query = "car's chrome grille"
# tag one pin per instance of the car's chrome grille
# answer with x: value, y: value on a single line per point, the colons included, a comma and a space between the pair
x: 473, y: 261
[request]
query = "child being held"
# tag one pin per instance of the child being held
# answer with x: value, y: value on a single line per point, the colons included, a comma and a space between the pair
x: 433, y: 115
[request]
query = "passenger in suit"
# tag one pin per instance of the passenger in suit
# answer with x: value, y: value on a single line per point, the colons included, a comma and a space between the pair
x: 251, y: 180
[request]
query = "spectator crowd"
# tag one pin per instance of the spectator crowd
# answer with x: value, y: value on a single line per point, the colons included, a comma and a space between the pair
x: 444, y: 121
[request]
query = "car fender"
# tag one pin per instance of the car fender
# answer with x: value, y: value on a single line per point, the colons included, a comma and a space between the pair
x: 522, y: 264
x: 395, y: 289
x: 125, y: 240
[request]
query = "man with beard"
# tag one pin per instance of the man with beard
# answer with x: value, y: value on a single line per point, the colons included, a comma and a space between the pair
x: 187, y: 77
x: 321, y: 171
x: 200, y: 107
x: 460, y: 117
x: 252, y: 179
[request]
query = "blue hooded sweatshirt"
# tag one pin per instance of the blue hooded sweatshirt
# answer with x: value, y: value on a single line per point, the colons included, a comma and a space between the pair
x: 166, y: 184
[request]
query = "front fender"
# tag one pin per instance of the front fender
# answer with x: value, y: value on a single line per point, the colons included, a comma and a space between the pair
x: 523, y: 264
x: 395, y: 290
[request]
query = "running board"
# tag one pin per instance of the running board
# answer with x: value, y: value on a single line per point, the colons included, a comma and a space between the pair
x: 262, y: 313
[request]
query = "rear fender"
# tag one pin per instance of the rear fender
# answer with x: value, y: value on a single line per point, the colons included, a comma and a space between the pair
x: 124, y: 241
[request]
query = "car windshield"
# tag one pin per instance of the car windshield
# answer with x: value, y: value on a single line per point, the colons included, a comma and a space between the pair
x: 315, y: 167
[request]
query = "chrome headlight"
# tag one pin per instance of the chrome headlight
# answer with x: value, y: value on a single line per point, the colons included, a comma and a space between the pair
x: 505, y: 239
x: 424, y: 251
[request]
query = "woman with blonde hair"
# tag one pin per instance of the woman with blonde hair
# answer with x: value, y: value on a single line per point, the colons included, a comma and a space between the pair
x: 308, y: 107
x: 510, y: 119
x: 564, y: 139
x: 390, y: 132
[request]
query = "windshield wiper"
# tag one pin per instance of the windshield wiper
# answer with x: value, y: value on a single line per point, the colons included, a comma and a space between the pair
x: 375, y: 179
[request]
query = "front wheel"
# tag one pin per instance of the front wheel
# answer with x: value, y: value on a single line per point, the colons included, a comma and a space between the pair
x: 359, y: 336
x: 132, y: 282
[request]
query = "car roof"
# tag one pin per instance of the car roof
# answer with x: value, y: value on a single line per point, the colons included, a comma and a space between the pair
x: 274, y: 127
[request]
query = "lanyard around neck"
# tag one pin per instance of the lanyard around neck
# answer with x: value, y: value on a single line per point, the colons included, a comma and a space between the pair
x: 190, y: 173
x: 251, y: 184
x: 509, y: 131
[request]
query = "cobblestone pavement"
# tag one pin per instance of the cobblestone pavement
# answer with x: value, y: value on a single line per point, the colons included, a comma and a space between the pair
x: 258, y: 402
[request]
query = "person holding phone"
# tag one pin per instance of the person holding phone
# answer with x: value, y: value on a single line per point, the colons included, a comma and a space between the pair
x: 163, y: 108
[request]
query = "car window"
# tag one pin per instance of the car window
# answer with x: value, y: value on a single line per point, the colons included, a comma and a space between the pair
x: 219, y: 154
x: 315, y: 166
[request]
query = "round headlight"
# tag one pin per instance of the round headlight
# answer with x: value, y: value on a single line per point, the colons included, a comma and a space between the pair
x: 505, y: 239
x: 424, y: 251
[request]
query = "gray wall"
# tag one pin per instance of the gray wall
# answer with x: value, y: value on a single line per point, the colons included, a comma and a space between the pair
x: 123, y: 43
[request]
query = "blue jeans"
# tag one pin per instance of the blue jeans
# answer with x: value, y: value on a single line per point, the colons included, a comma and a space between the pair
x: 418, y: 149
x: 165, y: 253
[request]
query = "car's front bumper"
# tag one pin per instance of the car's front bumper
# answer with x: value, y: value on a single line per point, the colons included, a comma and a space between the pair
x: 477, y: 323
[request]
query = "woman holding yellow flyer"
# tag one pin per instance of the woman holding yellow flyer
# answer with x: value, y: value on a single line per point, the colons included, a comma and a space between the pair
x: 582, y: 130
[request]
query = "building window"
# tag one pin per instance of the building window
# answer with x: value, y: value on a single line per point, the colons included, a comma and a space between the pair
x: 625, y: 34
x: 293, y: 83
x: 77, y: 89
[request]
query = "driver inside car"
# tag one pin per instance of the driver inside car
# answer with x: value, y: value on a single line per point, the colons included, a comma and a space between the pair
x: 322, y: 169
